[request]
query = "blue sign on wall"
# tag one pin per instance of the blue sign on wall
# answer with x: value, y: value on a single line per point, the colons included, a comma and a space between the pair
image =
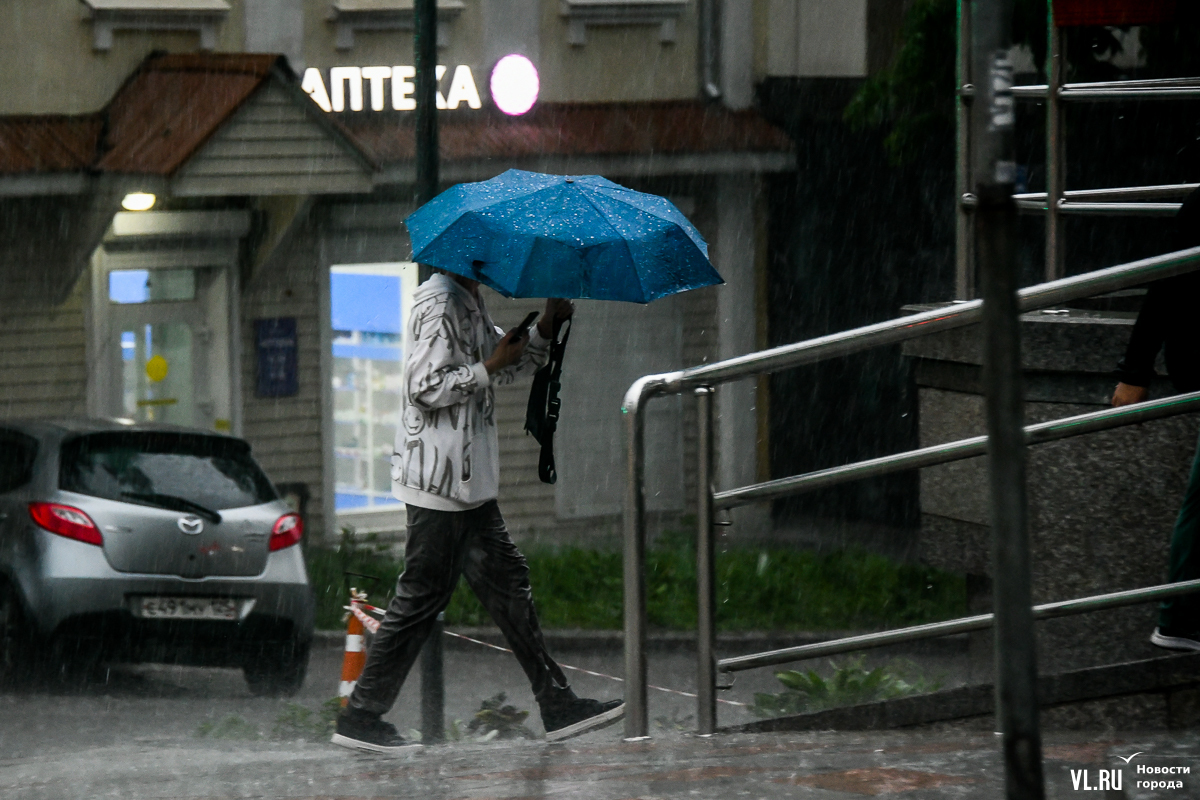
x: 275, y: 341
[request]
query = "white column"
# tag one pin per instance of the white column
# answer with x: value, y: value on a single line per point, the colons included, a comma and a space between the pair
x: 510, y: 26
x: 734, y: 256
x: 276, y: 26
x: 737, y: 53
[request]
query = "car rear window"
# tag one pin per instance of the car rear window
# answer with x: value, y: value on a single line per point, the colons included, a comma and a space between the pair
x: 214, y: 472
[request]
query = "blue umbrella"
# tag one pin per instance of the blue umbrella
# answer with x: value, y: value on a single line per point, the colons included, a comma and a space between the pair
x: 526, y: 234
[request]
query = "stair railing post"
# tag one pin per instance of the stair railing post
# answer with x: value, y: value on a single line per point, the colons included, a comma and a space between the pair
x: 637, y: 724
x: 706, y: 591
x: 1056, y: 148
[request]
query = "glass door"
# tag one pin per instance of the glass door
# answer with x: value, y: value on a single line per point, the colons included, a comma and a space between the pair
x: 158, y: 377
x: 163, y: 338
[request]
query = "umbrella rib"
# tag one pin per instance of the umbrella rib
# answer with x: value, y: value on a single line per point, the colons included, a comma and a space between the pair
x: 657, y: 215
x: 649, y: 211
x: 624, y: 242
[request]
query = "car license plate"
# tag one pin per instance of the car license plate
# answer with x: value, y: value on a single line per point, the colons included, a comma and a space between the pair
x: 188, y: 608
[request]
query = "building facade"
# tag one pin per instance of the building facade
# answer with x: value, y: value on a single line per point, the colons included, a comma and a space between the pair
x: 201, y: 208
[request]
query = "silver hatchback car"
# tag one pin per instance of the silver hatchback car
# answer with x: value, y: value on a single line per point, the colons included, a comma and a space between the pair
x: 147, y: 543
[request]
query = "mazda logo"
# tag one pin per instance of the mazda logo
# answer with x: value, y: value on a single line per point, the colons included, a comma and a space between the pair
x: 190, y: 525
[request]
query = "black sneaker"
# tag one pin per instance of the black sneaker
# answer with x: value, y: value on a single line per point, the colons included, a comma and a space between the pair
x: 362, y: 730
x: 574, y: 716
x: 1175, y: 640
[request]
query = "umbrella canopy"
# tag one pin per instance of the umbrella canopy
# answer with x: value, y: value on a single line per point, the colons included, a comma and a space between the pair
x: 526, y: 234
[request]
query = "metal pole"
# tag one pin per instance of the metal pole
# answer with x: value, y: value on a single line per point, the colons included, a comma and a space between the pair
x: 1056, y: 148
x: 706, y: 573
x: 433, y: 683
x: 995, y: 221
x: 964, y: 255
x: 425, y: 57
x: 636, y: 716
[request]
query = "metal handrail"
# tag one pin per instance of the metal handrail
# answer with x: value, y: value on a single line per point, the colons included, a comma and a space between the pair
x: 957, y: 315
x: 1040, y: 433
x: 1115, y: 90
x: 1062, y: 608
x: 1178, y: 190
x: 1104, y: 209
x: 839, y: 344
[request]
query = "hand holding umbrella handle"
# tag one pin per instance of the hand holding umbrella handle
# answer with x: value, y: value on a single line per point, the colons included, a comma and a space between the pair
x: 557, y: 311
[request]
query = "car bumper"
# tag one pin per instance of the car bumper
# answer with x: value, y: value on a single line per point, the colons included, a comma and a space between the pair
x: 77, y: 593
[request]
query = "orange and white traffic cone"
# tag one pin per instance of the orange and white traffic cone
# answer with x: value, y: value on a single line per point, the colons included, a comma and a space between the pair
x: 355, y: 657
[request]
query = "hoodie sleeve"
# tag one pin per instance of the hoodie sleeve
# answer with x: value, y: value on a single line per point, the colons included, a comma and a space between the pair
x: 440, y: 370
x: 533, y: 357
x: 1149, y: 333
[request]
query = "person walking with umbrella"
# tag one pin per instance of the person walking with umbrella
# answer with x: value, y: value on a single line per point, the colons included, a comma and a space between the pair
x: 446, y: 470
x: 523, y: 234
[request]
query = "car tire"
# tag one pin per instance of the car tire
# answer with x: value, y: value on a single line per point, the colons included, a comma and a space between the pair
x: 276, y: 669
x: 16, y: 639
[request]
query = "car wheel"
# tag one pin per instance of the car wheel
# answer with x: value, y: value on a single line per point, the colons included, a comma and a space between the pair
x: 277, y: 669
x: 16, y: 639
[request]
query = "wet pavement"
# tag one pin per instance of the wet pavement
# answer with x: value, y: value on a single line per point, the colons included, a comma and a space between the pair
x: 599, y: 767
x: 136, y: 735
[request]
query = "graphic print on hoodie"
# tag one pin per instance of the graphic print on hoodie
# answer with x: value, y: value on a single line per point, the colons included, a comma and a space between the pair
x: 447, y: 446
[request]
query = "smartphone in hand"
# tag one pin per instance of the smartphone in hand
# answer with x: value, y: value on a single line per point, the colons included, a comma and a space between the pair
x: 522, y: 329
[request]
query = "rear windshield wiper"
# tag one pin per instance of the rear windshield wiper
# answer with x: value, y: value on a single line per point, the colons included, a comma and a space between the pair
x: 174, y: 503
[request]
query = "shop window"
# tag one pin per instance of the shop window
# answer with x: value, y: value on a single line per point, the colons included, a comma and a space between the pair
x: 351, y: 16
x: 582, y: 14
x: 368, y: 309
x: 203, y: 17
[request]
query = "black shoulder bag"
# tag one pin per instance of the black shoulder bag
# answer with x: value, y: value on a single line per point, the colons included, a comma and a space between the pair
x: 541, y: 415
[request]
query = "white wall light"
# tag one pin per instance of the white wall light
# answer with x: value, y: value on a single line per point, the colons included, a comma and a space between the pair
x: 138, y: 201
x: 515, y: 84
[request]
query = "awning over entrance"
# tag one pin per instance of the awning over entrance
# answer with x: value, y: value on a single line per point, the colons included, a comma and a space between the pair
x: 617, y: 139
x: 239, y: 125
x: 189, y: 124
x: 205, y: 124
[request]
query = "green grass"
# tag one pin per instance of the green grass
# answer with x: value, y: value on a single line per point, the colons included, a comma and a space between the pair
x: 757, y: 589
x: 848, y: 684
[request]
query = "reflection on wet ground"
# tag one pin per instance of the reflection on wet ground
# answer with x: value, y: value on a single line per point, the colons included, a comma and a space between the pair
x: 135, y: 732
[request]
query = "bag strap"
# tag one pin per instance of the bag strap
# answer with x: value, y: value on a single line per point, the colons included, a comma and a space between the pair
x: 546, y: 471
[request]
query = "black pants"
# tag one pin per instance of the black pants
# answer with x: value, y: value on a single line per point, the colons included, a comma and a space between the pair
x: 443, y: 545
x: 1181, y: 614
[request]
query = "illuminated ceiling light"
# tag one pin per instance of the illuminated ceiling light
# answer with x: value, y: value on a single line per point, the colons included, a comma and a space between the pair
x: 515, y: 84
x: 138, y: 201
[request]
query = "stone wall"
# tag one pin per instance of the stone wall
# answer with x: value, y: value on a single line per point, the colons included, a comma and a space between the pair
x: 1101, y: 507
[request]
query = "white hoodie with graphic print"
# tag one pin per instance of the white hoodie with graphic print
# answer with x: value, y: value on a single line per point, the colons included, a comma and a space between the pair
x: 447, y: 448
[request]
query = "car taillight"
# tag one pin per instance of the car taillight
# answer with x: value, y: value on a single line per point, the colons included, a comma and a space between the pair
x: 287, y: 531
x: 66, y: 521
